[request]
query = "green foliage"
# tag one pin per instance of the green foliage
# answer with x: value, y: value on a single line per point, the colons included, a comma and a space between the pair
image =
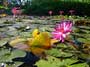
x: 16, y: 64
x: 80, y: 65
x: 54, y: 62
x: 65, y: 55
x: 58, y: 53
x: 41, y: 7
x: 61, y: 55
x: 6, y: 55
x: 3, y: 42
x: 2, y: 7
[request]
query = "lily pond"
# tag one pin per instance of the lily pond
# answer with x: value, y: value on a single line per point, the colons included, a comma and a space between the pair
x: 46, y: 41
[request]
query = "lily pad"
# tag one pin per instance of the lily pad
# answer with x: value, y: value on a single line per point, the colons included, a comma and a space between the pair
x: 80, y: 65
x: 4, y: 51
x: 85, y: 31
x: 7, y: 56
x: 54, y: 62
x: 84, y: 27
x: 17, y: 53
x: 58, y: 53
x: 25, y: 34
x: 15, y: 64
x: 3, y: 42
x: 51, y: 62
x: 83, y: 40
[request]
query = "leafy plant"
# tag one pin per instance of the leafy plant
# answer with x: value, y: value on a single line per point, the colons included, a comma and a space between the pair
x: 54, y: 62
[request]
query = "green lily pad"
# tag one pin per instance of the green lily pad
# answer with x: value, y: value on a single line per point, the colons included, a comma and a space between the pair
x: 51, y: 62
x: 15, y: 64
x: 83, y: 40
x: 85, y: 56
x: 84, y: 27
x: 25, y: 34
x: 7, y: 56
x: 3, y: 42
x: 58, y: 53
x: 17, y: 53
x: 85, y: 31
x: 4, y: 51
x: 80, y: 65
x: 61, y: 45
x: 54, y: 62
x: 68, y: 62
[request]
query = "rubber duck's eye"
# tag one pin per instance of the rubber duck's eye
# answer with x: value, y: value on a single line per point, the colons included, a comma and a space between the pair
x: 38, y: 33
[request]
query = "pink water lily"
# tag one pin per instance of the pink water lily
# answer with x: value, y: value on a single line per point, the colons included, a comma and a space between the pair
x: 50, y: 12
x: 61, y: 12
x: 16, y: 11
x: 62, y: 30
x: 71, y: 11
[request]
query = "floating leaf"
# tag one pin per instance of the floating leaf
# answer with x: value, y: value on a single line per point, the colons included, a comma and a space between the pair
x: 51, y: 62
x: 54, y: 52
x: 3, y: 42
x: 68, y: 62
x: 4, y: 51
x: 7, y: 56
x: 15, y: 64
x: 25, y: 34
x: 61, y: 45
x: 84, y: 56
x: 84, y: 27
x: 17, y: 53
x: 83, y: 40
x: 58, y: 53
x: 54, y: 62
x: 85, y: 31
x: 80, y: 65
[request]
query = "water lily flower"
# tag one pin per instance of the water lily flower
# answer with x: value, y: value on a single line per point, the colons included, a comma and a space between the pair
x: 50, y: 12
x: 16, y: 11
x: 61, y: 12
x: 71, y: 11
x: 62, y: 30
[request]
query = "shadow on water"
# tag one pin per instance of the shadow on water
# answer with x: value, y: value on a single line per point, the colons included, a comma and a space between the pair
x: 29, y: 60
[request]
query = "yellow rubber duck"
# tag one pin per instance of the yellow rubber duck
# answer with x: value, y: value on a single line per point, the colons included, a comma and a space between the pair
x: 39, y: 42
